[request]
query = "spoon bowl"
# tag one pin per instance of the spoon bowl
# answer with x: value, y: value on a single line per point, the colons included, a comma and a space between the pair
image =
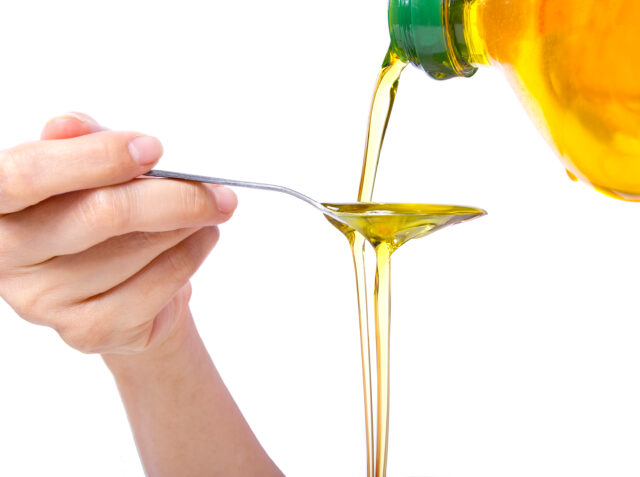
x: 396, y: 224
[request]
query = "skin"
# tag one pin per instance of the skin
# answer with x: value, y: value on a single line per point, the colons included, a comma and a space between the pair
x: 82, y: 242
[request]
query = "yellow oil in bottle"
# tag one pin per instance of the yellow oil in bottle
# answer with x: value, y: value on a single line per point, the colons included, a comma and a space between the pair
x: 576, y: 67
x: 387, y: 227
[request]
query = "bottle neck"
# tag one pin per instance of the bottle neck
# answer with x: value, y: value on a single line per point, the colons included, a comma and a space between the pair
x: 432, y: 34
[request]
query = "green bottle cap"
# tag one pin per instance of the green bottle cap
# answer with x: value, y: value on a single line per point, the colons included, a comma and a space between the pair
x: 430, y: 34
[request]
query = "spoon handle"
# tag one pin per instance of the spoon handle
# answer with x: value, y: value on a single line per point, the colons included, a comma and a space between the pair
x: 234, y: 183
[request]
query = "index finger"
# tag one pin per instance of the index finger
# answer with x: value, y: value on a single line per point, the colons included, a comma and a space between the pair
x: 35, y: 171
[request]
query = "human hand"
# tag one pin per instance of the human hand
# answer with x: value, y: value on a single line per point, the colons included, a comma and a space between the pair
x: 90, y: 251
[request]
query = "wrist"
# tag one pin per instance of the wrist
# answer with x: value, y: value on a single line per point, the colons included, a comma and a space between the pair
x: 173, y: 353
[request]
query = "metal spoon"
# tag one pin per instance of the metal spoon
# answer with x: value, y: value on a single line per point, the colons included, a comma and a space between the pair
x: 451, y: 214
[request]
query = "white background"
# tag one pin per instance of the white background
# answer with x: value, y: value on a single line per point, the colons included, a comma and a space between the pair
x: 515, y: 336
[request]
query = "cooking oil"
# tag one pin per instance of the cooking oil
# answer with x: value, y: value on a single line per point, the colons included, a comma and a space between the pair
x: 574, y: 64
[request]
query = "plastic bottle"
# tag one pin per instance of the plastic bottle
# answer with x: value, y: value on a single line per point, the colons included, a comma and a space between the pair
x: 575, y: 65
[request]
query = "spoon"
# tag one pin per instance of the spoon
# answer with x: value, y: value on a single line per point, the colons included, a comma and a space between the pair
x: 373, y: 220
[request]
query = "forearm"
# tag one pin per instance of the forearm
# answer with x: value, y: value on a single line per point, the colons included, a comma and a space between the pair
x: 184, y: 420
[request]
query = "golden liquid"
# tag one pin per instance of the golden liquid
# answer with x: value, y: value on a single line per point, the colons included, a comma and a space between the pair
x: 576, y: 66
x: 387, y: 227
x: 381, y: 107
x: 356, y: 241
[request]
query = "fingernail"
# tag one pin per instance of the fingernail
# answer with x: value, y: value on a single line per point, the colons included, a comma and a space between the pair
x: 226, y: 199
x: 145, y: 150
x: 92, y: 123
